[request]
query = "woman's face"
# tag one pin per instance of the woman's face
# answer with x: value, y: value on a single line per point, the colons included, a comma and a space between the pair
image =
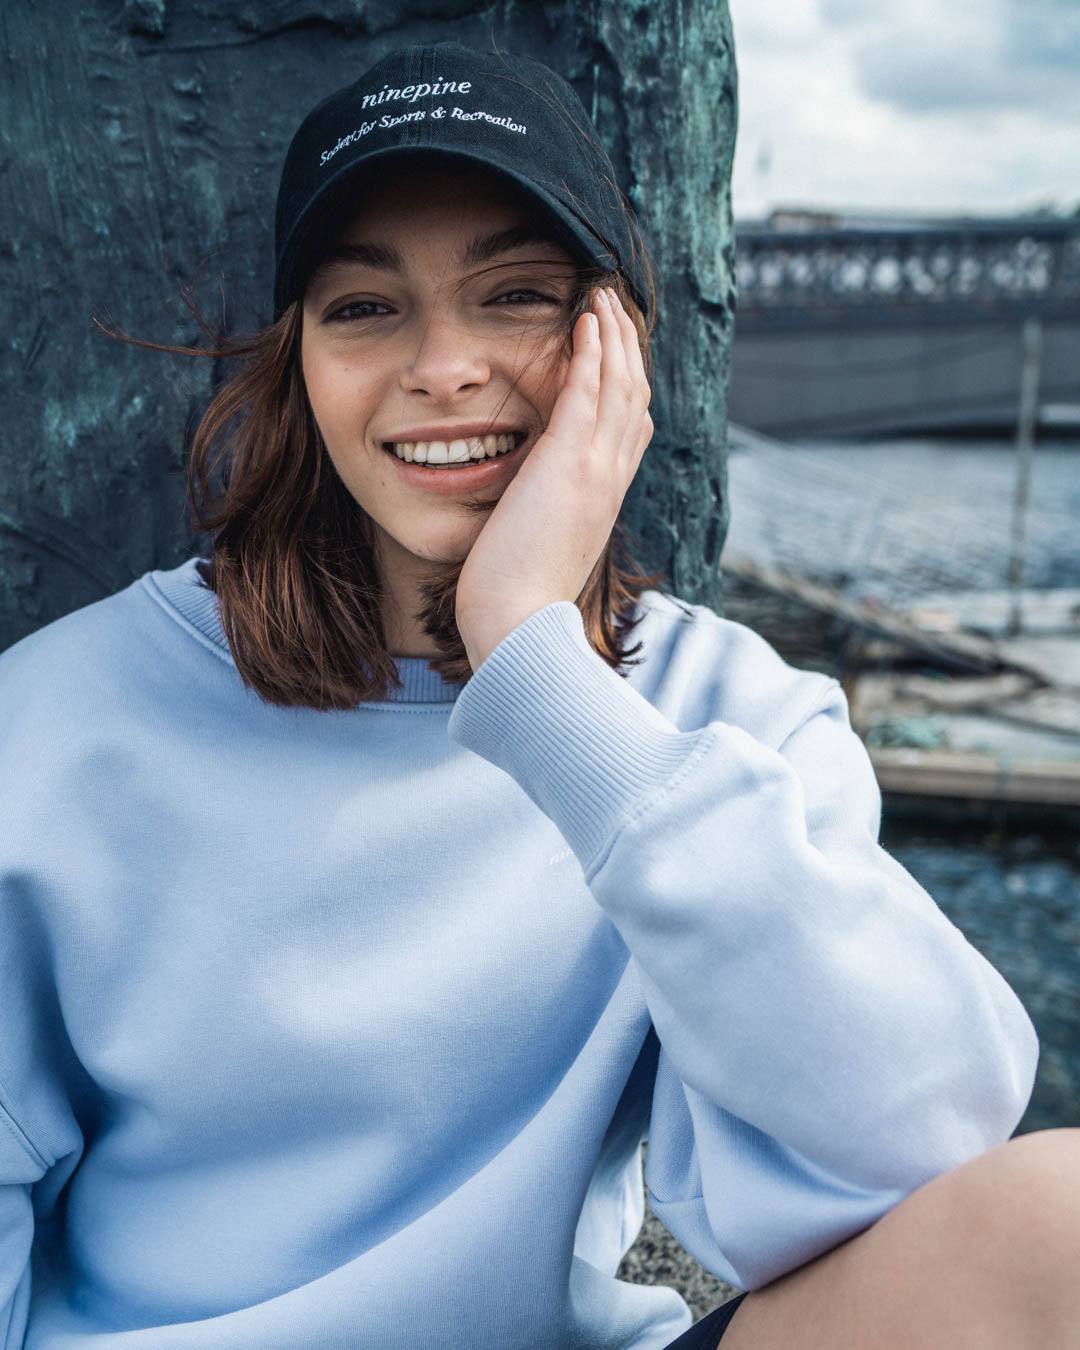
x: 440, y: 315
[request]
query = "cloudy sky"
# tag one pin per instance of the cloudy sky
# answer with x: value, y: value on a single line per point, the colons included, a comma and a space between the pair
x: 924, y: 106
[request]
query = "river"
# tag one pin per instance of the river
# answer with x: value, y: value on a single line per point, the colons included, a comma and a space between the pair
x: 889, y: 520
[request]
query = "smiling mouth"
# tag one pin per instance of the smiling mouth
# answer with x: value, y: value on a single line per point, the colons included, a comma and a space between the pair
x: 457, y: 453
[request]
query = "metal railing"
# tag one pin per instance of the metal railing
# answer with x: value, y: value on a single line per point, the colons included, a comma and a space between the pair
x: 960, y: 271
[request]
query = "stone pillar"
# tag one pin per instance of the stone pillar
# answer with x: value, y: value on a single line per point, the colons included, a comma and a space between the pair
x: 140, y: 145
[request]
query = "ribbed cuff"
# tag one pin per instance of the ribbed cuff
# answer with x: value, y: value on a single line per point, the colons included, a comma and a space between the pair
x: 575, y: 736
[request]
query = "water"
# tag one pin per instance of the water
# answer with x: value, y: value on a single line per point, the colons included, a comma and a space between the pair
x: 890, y: 520
x: 1014, y: 892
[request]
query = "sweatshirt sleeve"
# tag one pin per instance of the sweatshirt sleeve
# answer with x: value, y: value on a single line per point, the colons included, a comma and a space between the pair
x: 19, y: 1168
x: 41, y: 1140
x: 829, y: 1038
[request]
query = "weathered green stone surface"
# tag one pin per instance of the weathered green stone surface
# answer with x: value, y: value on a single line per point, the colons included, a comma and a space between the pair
x: 140, y: 144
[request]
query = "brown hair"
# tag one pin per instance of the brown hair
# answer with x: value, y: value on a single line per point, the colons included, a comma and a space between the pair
x: 293, y: 553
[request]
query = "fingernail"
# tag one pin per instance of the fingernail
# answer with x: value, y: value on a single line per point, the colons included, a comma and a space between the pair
x: 613, y: 299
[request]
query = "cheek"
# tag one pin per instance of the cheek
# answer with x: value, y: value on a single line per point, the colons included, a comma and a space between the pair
x: 331, y: 390
x: 544, y: 376
x: 313, y: 373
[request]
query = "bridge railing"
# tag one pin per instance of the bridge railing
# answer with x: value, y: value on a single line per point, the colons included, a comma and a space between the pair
x: 960, y: 272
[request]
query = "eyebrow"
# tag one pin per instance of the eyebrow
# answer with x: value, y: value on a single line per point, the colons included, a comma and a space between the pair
x: 488, y: 246
x: 386, y: 258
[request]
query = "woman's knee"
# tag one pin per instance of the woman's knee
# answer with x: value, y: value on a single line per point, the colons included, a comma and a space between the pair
x: 1032, y: 1184
x: 1017, y: 1208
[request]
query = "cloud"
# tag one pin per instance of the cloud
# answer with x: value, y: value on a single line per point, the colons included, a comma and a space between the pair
x: 927, y: 56
x: 1044, y: 35
x: 921, y: 105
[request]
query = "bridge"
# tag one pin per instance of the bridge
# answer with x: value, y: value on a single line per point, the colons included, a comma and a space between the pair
x: 906, y: 328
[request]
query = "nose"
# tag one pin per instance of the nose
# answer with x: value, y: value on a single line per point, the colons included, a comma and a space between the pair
x: 447, y: 361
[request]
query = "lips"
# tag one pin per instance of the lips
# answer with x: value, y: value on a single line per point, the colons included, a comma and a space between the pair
x: 450, y: 451
x: 467, y: 476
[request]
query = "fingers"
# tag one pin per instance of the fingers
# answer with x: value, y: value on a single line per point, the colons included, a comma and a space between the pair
x: 604, y: 400
x: 573, y: 417
x: 622, y: 422
x: 634, y: 362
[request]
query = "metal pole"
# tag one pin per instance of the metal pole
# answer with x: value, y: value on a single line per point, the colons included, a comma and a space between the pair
x: 1027, y: 419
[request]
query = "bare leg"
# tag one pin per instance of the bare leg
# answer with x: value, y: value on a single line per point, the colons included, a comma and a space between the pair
x: 984, y: 1256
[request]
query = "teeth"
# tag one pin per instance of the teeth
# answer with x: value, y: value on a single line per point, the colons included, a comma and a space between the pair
x: 456, y: 452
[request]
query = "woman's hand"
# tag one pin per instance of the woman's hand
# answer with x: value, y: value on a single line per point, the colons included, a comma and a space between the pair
x: 545, y: 536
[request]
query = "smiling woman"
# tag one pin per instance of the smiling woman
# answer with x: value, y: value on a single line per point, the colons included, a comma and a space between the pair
x: 387, y: 914
x: 433, y: 311
x: 416, y: 352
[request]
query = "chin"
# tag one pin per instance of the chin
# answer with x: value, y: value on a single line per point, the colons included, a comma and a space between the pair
x: 451, y: 545
x: 451, y: 554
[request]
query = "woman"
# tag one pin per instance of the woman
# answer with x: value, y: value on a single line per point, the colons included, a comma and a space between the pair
x: 365, y: 906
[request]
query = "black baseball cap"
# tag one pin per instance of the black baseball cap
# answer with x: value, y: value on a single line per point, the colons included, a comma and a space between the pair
x: 508, y: 112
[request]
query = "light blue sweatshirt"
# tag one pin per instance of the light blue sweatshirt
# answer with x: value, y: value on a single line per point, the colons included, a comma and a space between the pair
x: 337, y: 1030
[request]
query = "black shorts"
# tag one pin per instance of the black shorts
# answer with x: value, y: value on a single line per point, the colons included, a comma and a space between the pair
x: 704, y: 1335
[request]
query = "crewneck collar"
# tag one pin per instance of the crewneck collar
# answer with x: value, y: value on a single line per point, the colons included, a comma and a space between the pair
x: 183, y: 590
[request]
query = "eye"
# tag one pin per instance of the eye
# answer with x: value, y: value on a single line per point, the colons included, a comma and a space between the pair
x: 356, y: 309
x: 524, y: 295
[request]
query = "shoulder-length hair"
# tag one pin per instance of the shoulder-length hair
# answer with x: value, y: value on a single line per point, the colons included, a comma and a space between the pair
x: 293, y: 560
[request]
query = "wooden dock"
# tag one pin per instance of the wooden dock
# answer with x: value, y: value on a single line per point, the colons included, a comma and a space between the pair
x: 1013, y: 736
x: 949, y: 702
x: 973, y: 776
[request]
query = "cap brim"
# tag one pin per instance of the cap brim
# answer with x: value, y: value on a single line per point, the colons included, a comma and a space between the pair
x: 568, y: 227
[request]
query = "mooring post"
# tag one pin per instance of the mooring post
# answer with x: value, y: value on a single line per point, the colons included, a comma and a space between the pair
x: 1027, y: 419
